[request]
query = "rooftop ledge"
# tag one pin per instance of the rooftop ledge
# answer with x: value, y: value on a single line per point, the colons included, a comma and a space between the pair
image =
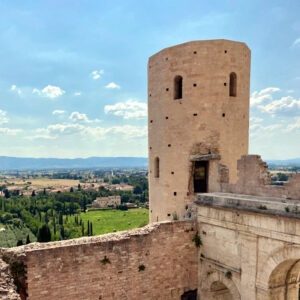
x: 261, y: 204
x: 204, y: 157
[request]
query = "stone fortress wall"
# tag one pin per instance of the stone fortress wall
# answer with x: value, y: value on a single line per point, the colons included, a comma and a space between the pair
x: 158, y: 261
x: 204, y: 119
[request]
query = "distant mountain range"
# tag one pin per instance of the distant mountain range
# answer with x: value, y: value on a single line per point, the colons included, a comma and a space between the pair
x: 286, y: 162
x: 23, y: 163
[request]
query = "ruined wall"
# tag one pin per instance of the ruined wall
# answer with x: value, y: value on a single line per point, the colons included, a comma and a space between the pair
x: 249, y: 256
x: 8, y: 289
x: 205, y: 120
x: 254, y: 179
x: 155, y: 262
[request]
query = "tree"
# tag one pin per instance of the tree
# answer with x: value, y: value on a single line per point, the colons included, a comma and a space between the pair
x: 44, y: 192
x: 82, y: 229
x: 19, y: 243
x: 84, y: 203
x: 44, y: 234
x: 137, y: 189
x: 28, y: 239
x: 79, y: 187
x: 33, y: 194
x: 91, y: 230
x: 62, y: 232
x: 71, y: 190
x: 6, y: 194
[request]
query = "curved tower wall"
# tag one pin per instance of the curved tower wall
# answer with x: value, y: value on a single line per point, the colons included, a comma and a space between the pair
x: 205, y: 120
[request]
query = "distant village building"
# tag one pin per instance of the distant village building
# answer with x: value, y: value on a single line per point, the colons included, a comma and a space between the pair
x: 110, y: 201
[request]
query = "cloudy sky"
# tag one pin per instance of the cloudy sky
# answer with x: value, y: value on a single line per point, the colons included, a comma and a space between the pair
x: 73, y: 73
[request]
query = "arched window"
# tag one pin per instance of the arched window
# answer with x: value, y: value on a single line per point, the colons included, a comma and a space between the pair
x: 178, y: 87
x: 156, y: 167
x: 232, y: 85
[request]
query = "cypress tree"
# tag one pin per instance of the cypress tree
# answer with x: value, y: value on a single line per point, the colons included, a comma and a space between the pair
x: 28, y: 239
x: 44, y: 234
x: 82, y: 229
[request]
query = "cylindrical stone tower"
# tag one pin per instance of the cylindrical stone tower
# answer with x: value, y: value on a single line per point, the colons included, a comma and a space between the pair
x: 198, y: 103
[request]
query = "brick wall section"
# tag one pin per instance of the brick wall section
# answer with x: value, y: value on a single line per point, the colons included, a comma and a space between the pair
x: 254, y: 179
x: 73, y: 269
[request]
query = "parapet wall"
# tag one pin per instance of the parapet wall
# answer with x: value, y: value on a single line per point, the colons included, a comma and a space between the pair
x: 254, y: 179
x: 158, y: 261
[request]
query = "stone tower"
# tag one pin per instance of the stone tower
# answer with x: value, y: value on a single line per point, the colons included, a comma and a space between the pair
x: 198, y: 103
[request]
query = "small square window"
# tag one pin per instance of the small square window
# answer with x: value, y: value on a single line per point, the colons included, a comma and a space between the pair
x: 225, y: 83
x: 225, y: 51
x: 172, y: 172
x: 167, y: 118
x: 195, y: 115
x: 195, y: 52
x: 167, y: 89
x: 175, y: 193
x: 223, y: 115
x: 169, y: 215
x: 195, y: 84
x: 169, y: 145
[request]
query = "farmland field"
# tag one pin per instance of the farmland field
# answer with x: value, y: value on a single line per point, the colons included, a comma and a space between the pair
x: 40, y: 183
x: 105, y: 221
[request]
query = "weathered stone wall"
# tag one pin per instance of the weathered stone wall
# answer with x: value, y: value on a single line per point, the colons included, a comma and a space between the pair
x: 254, y: 179
x: 8, y: 289
x: 110, y: 266
x: 249, y: 256
x: 205, y: 120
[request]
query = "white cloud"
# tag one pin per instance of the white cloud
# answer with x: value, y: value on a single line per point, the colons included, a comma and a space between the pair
x: 296, y: 42
x: 285, y: 105
x: 3, y: 117
x: 8, y: 131
x: 256, y: 120
x: 97, y: 74
x: 78, y: 117
x: 49, y: 91
x: 128, y: 109
x: 77, y: 94
x: 14, y: 88
x: 263, y: 95
x: 129, y: 131
x: 97, y: 133
x: 295, y: 125
x: 58, y: 112
x: 290, y: 91
x: 112, y: 85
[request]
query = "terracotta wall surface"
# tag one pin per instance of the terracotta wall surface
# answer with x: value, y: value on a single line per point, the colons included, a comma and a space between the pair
x: 205, y: 120
x: 254, y: 179
x: 110, y: 266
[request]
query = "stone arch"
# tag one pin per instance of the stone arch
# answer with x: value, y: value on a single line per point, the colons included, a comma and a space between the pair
x: 284, y: 281
x: 279, y: 274
x: 217, y: 284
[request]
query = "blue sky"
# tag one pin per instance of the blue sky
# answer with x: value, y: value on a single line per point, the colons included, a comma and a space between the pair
x: 73, y: 74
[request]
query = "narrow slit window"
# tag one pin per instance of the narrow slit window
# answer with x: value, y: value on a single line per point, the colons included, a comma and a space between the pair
x: 156, y: 167
x: 178, y: 87
x: 233, y: 85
